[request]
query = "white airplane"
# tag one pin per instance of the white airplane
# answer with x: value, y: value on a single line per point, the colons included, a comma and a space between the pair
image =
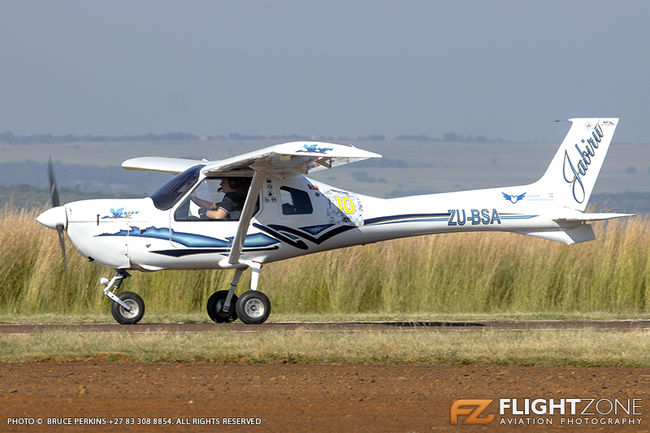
x: 260, y: 207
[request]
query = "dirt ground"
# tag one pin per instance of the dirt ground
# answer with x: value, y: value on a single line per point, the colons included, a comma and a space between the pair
x: 138, y: 397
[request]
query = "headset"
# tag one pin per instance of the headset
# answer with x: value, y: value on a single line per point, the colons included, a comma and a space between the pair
x: 239, y: 183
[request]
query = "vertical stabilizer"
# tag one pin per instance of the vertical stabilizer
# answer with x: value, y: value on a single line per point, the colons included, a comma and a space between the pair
x: 572, y: 174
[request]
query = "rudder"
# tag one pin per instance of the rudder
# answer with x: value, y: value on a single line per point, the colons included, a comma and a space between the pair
x: 572, y: 173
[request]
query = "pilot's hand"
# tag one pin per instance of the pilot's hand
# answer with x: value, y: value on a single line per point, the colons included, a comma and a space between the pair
x: 202, y: 213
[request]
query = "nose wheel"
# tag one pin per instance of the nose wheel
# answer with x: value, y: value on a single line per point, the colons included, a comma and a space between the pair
x: 127, y: 307
x: 132, y: 314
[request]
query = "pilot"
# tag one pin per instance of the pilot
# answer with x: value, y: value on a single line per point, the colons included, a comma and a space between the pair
x: 232, y: 203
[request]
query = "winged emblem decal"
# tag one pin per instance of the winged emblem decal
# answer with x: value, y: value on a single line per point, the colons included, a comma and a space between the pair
x: 513, y: 198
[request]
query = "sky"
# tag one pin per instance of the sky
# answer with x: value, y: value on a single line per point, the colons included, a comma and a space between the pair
x: 502, y: 69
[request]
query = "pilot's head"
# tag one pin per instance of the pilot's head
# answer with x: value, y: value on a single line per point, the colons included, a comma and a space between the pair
x: 235, y: 184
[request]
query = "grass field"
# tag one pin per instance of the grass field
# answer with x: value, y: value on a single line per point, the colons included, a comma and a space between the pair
x: 450, y: 277
x: 467, y: 273
x: 576, y: 348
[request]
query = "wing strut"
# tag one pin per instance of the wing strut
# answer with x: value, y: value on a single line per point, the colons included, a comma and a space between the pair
x: 246, y: 215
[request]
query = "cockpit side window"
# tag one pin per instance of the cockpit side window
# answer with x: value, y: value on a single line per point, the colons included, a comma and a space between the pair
x: 216, y: 199
x: 176, y: 187
x: 295, y: 201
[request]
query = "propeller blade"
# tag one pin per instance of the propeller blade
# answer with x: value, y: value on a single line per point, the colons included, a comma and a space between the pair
x: 59, y: 230
x: 54, y: 191
x: 56, y: 202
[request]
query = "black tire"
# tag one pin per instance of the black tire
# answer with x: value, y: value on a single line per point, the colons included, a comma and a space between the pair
x: 124, y: 316
x: 215, y: 307
x: 253, y: 307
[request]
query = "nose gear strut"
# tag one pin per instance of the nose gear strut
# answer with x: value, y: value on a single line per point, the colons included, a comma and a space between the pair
x: 127, y: 307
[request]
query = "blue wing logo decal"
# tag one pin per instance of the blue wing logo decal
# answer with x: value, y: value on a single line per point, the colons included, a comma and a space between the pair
x: 121, y: 213
x: 313, y: 148
x: 513, y: 198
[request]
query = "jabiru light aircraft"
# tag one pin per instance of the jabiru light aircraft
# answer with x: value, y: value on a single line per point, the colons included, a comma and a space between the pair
x: 261, y: 207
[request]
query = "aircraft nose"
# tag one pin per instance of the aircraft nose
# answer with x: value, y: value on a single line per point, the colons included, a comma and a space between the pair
x: 53, y: 217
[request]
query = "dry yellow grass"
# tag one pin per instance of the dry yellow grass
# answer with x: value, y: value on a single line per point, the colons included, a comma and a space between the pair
x: 458, y: 273
x: 541, y: 347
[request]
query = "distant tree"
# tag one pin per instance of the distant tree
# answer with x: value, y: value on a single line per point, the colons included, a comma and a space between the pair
x: 372, y: 137
x: 452, y: 136
x: 408, y: 137
x: 6, y: 137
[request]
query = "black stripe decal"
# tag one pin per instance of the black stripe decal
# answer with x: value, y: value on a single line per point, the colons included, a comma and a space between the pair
x: 405, y: 216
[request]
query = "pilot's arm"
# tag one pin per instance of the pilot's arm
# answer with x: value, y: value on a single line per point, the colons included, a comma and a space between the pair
x: 203, y: 203
x: 210, y: 210
x: 213, y: 214
x: 230, y: 203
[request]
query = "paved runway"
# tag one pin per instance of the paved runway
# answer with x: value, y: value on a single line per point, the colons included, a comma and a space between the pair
x: 477, y: 325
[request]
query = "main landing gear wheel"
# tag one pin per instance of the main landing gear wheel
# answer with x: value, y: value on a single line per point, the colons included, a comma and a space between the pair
x: 215, y: 307
x: 253, y: 307
x: 132, y: 316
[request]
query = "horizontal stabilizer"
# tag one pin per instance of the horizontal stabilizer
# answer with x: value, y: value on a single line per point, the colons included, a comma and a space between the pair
x: 580, y: 217
x: 582, y: 233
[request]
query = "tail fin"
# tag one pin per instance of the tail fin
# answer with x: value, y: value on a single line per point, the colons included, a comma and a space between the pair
x: 572, y: 174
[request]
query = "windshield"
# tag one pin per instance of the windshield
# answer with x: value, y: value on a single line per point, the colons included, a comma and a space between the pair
x: 176, y: 187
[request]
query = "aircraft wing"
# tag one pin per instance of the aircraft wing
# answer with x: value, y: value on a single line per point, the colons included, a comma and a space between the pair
x: 303, y: 156
x: 157, y: 163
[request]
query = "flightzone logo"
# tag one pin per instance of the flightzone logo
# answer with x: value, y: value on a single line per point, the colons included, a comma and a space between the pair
x: 542, y: 411
x: 472, y: 410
